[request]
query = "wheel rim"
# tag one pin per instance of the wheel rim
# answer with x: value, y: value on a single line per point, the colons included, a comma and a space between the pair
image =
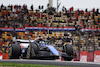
x: 28, y: 52
x: 10, y: 52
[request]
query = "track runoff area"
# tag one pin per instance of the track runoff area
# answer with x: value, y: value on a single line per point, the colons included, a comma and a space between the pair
x: 53, y: 62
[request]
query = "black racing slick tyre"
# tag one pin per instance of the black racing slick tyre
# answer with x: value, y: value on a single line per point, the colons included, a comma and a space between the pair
x: 32, y: 51
x: 14, y: 51
x: 69, y: 50
x: 35, y: 47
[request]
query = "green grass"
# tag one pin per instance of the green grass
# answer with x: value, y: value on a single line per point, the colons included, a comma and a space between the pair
x: 2, y: 64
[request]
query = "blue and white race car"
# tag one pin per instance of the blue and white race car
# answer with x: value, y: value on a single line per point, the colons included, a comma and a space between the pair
x: 39, y: 49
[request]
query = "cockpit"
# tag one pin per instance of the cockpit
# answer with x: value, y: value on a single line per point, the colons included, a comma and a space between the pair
x: 42, y: 43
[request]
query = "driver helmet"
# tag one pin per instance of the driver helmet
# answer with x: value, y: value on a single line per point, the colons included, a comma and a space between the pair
x: 40, y: 38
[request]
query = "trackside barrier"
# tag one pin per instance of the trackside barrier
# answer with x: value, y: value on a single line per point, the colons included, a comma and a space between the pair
x: 1, y: 57
x: 83, y: 56
x: 97, y: 56
x: 90, y: 56
x: 5, y: 55
x: 87, y: 56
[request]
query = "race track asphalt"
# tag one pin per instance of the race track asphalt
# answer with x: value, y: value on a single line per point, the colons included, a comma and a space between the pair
x: 53, y: 62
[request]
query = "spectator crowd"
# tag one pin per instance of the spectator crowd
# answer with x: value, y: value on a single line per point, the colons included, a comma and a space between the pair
x: 20, y: 16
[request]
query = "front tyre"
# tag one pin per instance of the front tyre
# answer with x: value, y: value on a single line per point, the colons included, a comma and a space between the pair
x: 69, y: 50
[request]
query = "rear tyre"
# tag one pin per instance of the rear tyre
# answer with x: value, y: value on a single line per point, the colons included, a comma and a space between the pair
x: 35, y: 48
x: 32, y: 51
x: 14, y: 51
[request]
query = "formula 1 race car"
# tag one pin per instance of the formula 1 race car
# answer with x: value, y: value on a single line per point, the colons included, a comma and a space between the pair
x: 38, y: 48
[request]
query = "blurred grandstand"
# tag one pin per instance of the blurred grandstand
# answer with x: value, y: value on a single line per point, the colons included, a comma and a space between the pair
x: 77, y: 27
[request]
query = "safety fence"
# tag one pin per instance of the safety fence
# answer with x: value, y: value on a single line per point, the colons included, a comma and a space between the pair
x: 86, y: 41
x: 87, y: 56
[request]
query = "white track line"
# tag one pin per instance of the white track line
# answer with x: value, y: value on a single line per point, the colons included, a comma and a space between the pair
x: 54, y: 61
